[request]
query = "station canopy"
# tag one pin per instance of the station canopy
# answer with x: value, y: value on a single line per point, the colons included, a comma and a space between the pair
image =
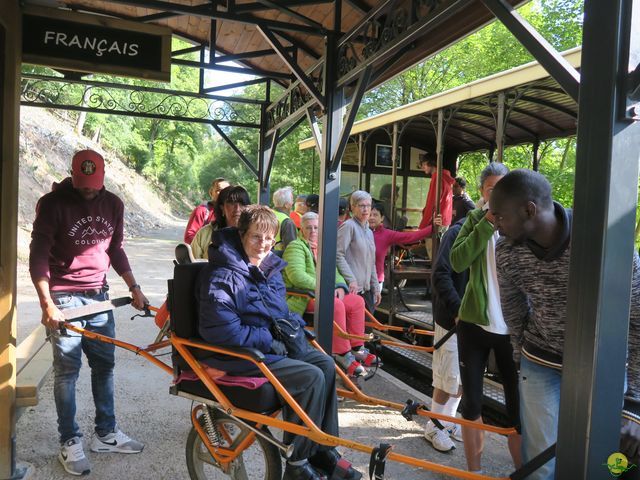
x: 536, y: 109
x: 369, y: 29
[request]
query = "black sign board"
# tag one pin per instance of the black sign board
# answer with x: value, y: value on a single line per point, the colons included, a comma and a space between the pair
x: 92, y: 43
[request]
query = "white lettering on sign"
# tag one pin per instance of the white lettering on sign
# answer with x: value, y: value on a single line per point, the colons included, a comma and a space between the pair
x: 97, y: 45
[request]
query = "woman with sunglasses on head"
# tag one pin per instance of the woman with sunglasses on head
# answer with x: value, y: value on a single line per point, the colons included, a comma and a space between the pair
x: 231, y: 201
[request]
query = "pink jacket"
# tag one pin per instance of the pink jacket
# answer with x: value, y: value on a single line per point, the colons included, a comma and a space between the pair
x: 384, y: 238
x: 202, y: 215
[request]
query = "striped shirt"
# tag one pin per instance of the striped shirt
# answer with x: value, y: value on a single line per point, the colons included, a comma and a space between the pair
x: 533, y: 290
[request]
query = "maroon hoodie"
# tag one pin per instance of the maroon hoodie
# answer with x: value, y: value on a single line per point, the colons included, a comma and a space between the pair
x: 74, y: 241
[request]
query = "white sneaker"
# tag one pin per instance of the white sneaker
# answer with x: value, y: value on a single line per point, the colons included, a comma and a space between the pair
x: 115, y: 442
x: 455, y: 431
x: 439, y: 439
x: 72, y: 457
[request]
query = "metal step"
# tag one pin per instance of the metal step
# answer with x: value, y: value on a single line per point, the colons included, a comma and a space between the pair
x: 420, y: 365
x: 419, y: 319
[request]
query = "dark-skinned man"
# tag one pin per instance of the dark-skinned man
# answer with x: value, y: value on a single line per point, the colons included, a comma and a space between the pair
x: 533, y: 273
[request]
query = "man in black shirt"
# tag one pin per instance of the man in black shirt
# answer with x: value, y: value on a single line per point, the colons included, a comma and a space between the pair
x: 462, y: 203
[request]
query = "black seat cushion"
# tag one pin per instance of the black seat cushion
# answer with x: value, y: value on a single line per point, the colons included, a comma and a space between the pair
x: 263, y: 399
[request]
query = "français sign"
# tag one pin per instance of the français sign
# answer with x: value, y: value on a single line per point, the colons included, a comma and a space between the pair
x: 94, y: 43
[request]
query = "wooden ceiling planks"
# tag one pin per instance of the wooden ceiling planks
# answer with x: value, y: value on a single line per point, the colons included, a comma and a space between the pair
x: 234, y: 37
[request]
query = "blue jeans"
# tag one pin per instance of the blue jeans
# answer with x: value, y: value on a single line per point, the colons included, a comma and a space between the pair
x: 67, y: 360
x: 539, y: 407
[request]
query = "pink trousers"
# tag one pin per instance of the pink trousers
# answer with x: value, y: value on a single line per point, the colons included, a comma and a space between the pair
x: 348, y: 314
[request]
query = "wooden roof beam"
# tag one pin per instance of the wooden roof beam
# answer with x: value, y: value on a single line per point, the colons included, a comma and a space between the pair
x: 306, y: 48
x: 305, y: 80
x: 225, y: 68
x: 360, y: 5
x: 257, y: 6
x: 293, y: 14
x: 210, y: 12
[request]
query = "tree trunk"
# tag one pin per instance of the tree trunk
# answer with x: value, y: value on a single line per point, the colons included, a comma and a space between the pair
x: 96, y: 136
x: 83, y: 115
x: 153, y: 133
x: 565, y: 153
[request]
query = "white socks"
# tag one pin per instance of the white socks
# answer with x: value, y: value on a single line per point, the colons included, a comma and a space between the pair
x: 451, y: 407
x: 438, y: 407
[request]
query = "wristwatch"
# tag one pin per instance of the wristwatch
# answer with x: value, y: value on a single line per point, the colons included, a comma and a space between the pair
x: 134, y: 286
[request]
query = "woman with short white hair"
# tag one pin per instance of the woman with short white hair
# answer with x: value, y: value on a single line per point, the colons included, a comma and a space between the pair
x: 356, y: 251
x: 348, y: 309
x: 283, y: 198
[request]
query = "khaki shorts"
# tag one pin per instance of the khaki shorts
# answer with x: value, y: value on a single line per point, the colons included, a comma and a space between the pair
x: 446, y: 371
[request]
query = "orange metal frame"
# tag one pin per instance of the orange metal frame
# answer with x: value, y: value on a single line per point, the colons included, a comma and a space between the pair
x: 373, y: 322
x: 309, y: 429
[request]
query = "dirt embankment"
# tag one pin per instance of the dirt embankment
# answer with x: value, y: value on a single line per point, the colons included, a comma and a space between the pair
x: 47, y: 143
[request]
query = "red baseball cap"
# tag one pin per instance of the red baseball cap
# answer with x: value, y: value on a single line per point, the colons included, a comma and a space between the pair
x: 87, y: 170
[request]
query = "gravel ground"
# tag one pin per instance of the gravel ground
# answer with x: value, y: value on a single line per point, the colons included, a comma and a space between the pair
x: 148, y: 413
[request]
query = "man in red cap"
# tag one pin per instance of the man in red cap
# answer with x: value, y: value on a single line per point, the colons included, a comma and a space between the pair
x: 77, y: 235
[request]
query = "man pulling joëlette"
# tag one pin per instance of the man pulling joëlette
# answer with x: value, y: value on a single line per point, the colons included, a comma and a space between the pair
x: 77, y: 235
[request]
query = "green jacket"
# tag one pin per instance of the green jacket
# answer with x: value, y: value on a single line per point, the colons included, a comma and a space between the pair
x: 300, y: 273
x: 470, y: 251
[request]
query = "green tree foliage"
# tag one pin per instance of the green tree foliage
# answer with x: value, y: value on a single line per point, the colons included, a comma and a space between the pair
x: 557, y: 162
x: 490, y: 50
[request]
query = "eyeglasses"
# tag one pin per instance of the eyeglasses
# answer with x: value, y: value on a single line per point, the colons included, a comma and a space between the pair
x: 261, y: 239
x: 363, y: 206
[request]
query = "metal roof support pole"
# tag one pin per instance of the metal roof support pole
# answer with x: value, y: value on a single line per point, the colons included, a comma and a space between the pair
x: 315, y: 129
x: 602, y: 245
x: 439, y: 157
x: 201, y: 70
x: 536, y: 156
x: 236, y: 150
x: 268, y: 146
x: 500, y: 124
x: 266, y: 152
x: 213, y: 26
x: 10, y: 57
x: 554, y: 63
x: 329, y: 189
x: 392, y: 216
x: 394, y: 174
x: 360, y: 159
x: 305, y: 80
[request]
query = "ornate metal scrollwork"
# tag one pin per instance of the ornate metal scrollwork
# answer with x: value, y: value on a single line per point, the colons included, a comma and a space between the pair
x: 133, y: 102
x: 290, y: 103
x: 390, y: 23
